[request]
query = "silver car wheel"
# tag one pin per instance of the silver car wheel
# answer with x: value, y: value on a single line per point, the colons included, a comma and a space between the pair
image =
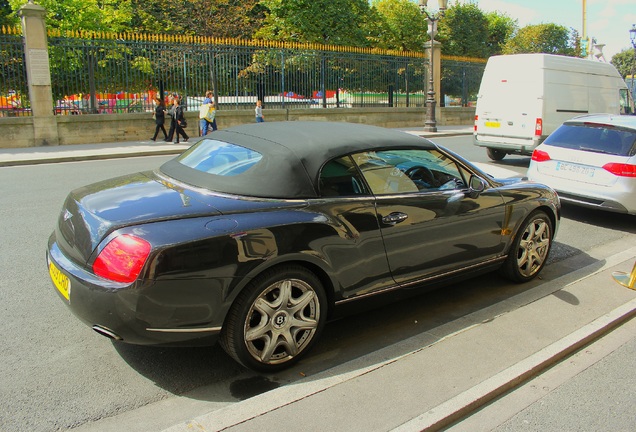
x: 282, y: 321
x: 534, y: 247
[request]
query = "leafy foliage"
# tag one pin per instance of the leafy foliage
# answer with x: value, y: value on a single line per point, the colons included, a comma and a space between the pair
x: 401, y: 25
x: 500, y: 28
x: 541, y: 38
x: 219, y: 18
x: 463, y: 31
x: 83, y: 14
x: 625, y: 62
x: 6, y: 14
x: 329, y: 22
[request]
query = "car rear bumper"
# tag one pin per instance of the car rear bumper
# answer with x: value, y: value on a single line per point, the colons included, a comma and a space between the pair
x: 586, y: 194
x: 144, y: 313
x: 595, y: 203
x: 508, y: 144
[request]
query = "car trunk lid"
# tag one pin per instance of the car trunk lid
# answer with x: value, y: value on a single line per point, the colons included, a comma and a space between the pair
x: 92, y: 212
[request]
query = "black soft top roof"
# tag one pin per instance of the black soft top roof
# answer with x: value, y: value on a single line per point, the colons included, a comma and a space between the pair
x: 293, y: 154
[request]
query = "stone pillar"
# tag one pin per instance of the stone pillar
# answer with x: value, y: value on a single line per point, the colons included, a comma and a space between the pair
x: 38, y: 71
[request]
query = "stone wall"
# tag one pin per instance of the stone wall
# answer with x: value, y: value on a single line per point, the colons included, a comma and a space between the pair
x: 19, y: 132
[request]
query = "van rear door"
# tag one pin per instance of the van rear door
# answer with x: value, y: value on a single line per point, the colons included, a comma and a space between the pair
x: 509, y: 111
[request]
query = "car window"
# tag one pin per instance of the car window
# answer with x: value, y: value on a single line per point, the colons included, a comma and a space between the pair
x: 594, y: 138
x: 340, y: 177
x: 408, y: 171
x: 220, y: 158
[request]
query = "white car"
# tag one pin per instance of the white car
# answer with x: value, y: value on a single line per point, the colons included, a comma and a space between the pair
x: 590, y: 161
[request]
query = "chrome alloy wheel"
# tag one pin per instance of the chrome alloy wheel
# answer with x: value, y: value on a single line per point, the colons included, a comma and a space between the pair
x: 282, y: 321
x: 534, y: 246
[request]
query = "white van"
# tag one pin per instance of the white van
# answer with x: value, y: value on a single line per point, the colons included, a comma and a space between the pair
x: 525, y: 97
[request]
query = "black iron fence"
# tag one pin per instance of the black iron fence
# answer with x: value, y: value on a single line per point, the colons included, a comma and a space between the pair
x: 117, y: 73
x: 460, y: 81
x: 14, y: 94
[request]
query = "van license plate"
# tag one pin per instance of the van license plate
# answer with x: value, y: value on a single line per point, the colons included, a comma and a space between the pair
x: 492, y: 124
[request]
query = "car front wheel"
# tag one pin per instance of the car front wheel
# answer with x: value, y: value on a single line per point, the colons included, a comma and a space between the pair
x: 530, y: 248
x: 276, y: 319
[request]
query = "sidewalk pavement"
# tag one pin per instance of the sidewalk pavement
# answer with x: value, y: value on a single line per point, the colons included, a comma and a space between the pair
x: 70, y: 153
x: 449, y: 371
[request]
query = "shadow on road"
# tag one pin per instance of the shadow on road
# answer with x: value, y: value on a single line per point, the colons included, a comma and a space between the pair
x: 600, y: 218
x: 513, y: 161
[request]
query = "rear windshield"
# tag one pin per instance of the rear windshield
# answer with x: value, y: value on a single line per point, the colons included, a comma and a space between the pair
x: 220, y: 158
x: 594, y: 138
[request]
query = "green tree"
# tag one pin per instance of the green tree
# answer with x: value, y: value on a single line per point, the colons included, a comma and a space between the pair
x: 624, y: 62
x: 218, y: 18
x: 91, y: 15
x: 542, y: 38
x: 500, y: 28
x: 329, y: 22
x: 402, y: 25
x: 464, y: 31
x: 6, y: 14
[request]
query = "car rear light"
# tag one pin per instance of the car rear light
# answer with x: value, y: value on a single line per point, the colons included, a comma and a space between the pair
x: 538, y: 127
x: 475, y: 125
x: 540, y: 156
x: 621, y: 169
x: 122, y: 259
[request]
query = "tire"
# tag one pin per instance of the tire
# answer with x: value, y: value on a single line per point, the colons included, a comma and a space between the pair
x: 530, y: 248
x: 276, y: 319
x: 495, y: 154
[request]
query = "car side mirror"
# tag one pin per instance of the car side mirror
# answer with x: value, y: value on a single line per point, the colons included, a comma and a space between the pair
x: 476, y: 186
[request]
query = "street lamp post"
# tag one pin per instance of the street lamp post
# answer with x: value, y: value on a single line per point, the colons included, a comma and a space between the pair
x: 431, y: 123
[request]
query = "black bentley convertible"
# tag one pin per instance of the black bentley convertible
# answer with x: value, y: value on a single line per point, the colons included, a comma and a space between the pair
x: 255, y: 235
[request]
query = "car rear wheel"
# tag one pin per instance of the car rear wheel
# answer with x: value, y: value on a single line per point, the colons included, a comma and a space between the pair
x: 530, y: 248
x: 276, y: 319
x: 495, y: 154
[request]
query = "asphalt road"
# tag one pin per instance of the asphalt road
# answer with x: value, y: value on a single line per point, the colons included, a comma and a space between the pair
x: 56, y: 374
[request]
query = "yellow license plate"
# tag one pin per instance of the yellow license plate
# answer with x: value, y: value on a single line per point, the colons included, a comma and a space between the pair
x: 492, y: 124
x: 60, y: 280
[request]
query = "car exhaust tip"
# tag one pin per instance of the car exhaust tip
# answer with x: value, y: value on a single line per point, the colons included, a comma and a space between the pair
x: 107, y: 332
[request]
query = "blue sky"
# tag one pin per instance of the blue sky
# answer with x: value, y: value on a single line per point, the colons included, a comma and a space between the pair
x: 609, y: 21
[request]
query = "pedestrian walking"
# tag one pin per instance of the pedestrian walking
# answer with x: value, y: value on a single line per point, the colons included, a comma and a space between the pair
x: 160, y: 117
x: 259, y: 112
x: 179, y: 121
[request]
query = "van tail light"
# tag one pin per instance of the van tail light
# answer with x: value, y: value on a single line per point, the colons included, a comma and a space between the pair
x: 538, y: 127
x: 122, y: 259
x: 475, y: 126
x: 621, y: 169
x: 540, y: 156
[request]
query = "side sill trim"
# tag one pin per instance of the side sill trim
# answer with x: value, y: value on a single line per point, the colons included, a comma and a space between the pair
x: 186, y: 330
x: 423, y: 280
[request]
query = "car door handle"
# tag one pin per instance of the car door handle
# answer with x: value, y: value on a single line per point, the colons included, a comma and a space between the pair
x: 394, y: 218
